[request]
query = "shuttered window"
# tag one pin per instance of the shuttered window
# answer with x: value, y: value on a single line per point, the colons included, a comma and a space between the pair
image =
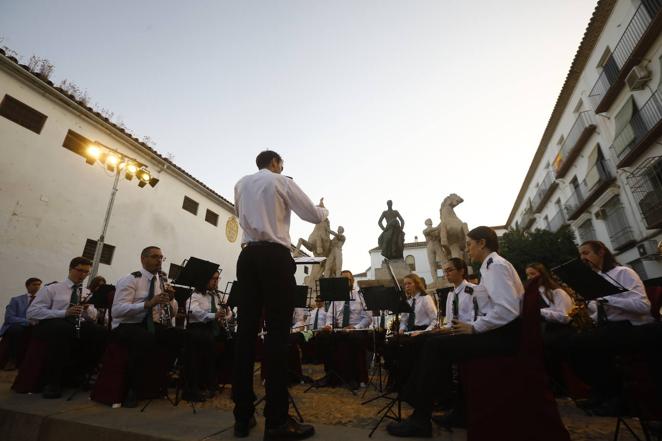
x: 212, y: 218
x: 190, y: 205
x: 22, y: 114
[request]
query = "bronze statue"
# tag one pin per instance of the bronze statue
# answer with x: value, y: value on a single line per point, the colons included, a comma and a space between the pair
x: 392, y: 239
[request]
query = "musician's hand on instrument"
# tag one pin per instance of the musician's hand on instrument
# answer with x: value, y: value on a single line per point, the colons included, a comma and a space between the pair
x: 74, y: 311
x: 460, y: 328
x: 86, y: 306
x: 327, y: 328
x: 220, y: 315
x: 415, y: 333
x: 349, y: 327
x: 401, y: 331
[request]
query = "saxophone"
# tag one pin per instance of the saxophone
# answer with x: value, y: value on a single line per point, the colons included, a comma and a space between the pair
x: 165, y: 311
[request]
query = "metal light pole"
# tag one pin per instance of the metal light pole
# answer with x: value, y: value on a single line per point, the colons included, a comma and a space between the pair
x: 104, y: 228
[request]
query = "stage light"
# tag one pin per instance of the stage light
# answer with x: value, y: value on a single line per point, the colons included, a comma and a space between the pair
x: 131, y: 168
x: 112, y: 160
x: 93, y: 153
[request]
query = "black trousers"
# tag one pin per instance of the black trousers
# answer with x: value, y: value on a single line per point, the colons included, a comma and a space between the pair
x: 142, y: 345
x: 344, y: 353
x: 265, y: 274
x: 400, y: 355
x: 433, y: 373
x: 16, y: 336
x: 64, y: 350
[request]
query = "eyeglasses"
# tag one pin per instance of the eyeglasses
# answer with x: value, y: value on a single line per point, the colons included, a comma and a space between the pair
x: 157, y: 257
x: 82, y: 271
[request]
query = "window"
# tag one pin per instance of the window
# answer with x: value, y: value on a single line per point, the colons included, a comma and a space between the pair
x: 174, y: 271
x: 586, y: 231
x: 106, y: 252
x: 190, y: 205
x: 305, y: 270
x: 22, y: 114
x: 409, y: 260
x: 618, y: 227
x: 76, y: 142
x: 211, y: 217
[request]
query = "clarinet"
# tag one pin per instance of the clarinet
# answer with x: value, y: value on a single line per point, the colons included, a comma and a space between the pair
x: 165, y: 311
x: 79, y: 317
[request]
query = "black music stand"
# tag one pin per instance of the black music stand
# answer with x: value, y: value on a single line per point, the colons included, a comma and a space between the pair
x: 372, y: 297
x: 586, y: 282
x: 334, y: 289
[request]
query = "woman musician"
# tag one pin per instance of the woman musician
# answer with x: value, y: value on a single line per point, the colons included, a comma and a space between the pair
x: 207, y: 326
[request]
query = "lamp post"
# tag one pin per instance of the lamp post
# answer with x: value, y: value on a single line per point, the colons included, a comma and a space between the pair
x: 118, y: 163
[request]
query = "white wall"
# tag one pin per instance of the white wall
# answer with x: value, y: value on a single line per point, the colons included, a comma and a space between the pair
x: 51, y: 202
x: 419, y: 251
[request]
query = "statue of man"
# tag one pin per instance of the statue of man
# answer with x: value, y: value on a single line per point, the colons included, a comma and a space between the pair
x: 436, y: 255
x: 392, y: 239
x: 333, y: 265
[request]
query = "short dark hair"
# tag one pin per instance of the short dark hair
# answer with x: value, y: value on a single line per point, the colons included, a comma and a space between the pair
x: 487, y: 234
x: 31, y: 280
x: 146, y: 250
x: 79, y: 261
x: 459, y: 264
x: 264, y: 158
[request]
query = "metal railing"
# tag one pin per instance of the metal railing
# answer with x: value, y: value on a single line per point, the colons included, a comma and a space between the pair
x: 622, y: 51
x: 642, y: 122
x: 584, y: 121
x: 543, y: 188
x: 622, y: 236
x: 584, y: 191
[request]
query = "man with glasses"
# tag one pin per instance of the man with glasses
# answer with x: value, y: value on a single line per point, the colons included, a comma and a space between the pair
x: 138, y: 320
x: 67, y: 324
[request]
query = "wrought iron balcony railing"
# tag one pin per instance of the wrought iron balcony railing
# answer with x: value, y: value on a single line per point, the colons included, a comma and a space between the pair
x: 588, y: 190
x: 578, y: 135
x: 547, y: 185
x: 644, y: 128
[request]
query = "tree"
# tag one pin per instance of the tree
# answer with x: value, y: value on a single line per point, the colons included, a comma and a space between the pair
x: 551, y: 249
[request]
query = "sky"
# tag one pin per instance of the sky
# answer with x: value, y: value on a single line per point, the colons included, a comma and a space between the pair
x: 366, y: 100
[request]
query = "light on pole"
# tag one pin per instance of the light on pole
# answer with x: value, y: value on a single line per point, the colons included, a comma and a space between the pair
x: 119, y: 164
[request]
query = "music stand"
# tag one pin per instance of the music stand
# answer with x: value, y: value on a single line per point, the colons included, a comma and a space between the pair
x: 583, y: 280
x: 196, y: 273
x: 372, y: 295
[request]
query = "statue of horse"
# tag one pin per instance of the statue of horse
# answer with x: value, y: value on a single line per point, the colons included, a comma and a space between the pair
x: 452, y: 231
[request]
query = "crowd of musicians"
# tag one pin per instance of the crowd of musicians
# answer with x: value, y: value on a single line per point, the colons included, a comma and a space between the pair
x: 421, y: 354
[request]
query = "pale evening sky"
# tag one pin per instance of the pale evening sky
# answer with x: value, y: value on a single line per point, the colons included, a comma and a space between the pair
x: 366, y: 100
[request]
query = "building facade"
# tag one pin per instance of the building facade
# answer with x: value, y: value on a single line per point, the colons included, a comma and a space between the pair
x: 416, y: 257
x: 598, y: 166
x: 52, y: 203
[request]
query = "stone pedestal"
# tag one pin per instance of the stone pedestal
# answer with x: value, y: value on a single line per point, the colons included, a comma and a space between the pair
x: 400, y: 269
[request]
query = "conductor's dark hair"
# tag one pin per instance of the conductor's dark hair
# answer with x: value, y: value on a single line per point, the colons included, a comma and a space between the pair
x: 146, y: 250
x: 79, y: 261
x: 487, y: 234
x: 264, y: 158
x: 31, y: 280
x: 609, y: 262
x: 460, y: 265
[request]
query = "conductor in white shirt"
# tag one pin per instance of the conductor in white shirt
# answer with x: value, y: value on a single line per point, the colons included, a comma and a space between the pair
x: 265, y: 274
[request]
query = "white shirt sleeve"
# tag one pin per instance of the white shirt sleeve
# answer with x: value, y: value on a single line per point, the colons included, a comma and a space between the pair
x: 502, y: 290
x: 199, y: 312
x: 559, y: 311
x: 301, y: 204
x: 430, y: 311
x: 125, y: 293
x: 635, y: 299
x: 40, y: 308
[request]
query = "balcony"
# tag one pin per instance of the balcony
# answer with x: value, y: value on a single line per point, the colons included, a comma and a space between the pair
x: 557, y: 222
x: 527, y: 217
x: 646, y: 184
x: 622, y: 237
x: 589, y: 190
x: 545, y: 190
x: 644, y: 128
x: 639, y: 35
x: 579, y: 134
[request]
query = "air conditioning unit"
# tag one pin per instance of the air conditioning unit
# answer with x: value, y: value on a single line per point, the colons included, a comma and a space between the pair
x: 638, y: 77
x: 647, y: 248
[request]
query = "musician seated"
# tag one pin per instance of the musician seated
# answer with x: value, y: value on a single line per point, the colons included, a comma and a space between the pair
x: 16, y: 327
x: 143, y: 312
x: 316, y: 320
x: 618, y: 319
x: 345, y: 345
x: 206, y: 326
x: 67, y: 325
x: 93, y: 287
x: 424, y: 315
x: 496, y: 331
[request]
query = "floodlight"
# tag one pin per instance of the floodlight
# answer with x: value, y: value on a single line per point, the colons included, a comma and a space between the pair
x: 93, y: 153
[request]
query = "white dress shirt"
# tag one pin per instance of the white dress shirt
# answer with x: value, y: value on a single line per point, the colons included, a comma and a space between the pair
x: 53, y: 300
x: 558, y: 310
x: 299, y: 317
x: 130, y: 295
x: 264, y: 202
x: 632, y: 305
x: 425, y: 312
x: 468, y: 309
x: 198, y: 307
x: 321, y: 318
x: 358, y: 316
x: 503, y: 288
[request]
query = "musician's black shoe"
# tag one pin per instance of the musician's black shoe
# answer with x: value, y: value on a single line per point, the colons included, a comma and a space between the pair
x: 51, y: 391
x: 450, y: 419
x: 243, y: 428
x: 131, y: 399
x: 410, y: 427
x: 289, y: 430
